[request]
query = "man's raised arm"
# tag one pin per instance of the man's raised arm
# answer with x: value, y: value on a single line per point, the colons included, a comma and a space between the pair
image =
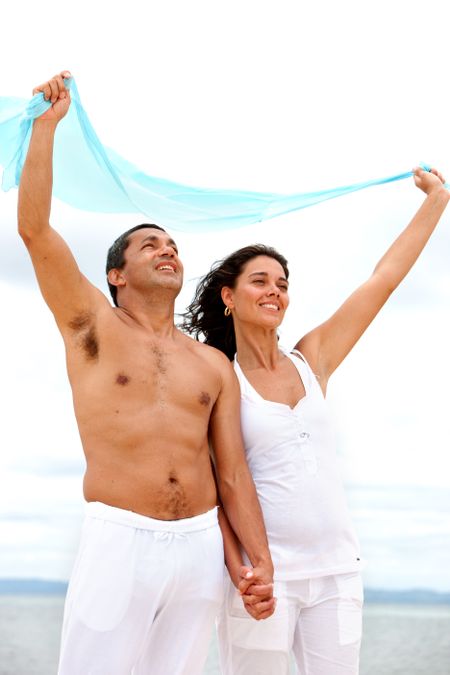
x: 66, y: 291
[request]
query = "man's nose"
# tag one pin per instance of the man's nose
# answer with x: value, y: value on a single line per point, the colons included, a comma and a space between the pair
x: 167, y: 250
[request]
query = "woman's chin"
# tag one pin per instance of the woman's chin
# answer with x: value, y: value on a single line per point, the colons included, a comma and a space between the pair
x: 269, y: 322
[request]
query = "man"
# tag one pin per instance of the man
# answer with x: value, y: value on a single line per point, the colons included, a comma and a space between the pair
x: 147, y: 583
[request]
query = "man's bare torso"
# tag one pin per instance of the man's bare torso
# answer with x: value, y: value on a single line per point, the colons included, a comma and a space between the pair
x: 143, y: 405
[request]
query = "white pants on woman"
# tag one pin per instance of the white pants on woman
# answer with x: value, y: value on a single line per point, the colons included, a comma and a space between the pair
x: 319, y: 620
x: 143, y: 596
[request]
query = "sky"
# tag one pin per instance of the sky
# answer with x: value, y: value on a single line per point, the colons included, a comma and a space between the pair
x: 273, y: 96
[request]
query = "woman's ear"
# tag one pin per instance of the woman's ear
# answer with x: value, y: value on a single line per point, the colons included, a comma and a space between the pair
x: 227, y: 296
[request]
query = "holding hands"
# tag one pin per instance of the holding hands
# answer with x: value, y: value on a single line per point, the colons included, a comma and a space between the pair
x: 256, y: 589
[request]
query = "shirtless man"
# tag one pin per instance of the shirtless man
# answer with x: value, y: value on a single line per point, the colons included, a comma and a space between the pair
x: 147, y: 582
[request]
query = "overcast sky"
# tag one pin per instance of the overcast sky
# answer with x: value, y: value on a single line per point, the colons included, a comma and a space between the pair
x: 276, y: 96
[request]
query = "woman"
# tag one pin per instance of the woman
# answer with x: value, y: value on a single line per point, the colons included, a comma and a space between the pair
x: 238, y: 308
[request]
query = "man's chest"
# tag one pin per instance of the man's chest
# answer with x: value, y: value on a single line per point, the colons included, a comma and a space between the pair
x: 136, y: 368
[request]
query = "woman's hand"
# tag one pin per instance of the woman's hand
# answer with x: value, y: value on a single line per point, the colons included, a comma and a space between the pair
x: 428, y: 181
x: 256, y: 590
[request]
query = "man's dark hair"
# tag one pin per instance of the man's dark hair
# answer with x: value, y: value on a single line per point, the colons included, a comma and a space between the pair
x: 115, y: 258
x: 204, y: 316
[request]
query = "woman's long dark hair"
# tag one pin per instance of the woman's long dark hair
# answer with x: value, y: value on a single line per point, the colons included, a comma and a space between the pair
x: 205, y: 315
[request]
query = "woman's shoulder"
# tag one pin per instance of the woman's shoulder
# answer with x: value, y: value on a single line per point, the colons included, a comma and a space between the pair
x: 307, y: 349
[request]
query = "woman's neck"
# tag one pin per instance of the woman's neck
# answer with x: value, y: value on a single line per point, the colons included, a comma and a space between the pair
x: 257, y: 348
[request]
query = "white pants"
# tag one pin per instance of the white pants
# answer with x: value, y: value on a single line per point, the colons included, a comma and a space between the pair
x: 143, y: 595
x: 319, y: 620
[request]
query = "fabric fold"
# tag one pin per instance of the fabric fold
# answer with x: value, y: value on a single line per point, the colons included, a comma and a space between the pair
x: 92, y: 177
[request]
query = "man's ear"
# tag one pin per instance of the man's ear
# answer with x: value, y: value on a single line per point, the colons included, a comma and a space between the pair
x: 116, y: 277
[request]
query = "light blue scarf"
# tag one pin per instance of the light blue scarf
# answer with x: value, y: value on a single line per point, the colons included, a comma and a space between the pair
x: 90, y: 176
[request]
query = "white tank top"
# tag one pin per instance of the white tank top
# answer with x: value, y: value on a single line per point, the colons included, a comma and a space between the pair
x: 291, y: 454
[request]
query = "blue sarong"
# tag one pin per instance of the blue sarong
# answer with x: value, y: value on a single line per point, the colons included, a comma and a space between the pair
x: 90, y: 176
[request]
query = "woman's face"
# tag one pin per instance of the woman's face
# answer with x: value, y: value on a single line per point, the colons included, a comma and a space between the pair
x: 260, y: 295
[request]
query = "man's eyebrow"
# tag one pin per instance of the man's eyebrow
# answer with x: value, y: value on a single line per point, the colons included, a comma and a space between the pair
x: 265, y: 274
x: 154, y: 237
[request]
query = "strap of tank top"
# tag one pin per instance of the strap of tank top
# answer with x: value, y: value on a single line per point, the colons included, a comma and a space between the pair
x: 246, y: 388
x: 311, y: 373
x: 296, y: 351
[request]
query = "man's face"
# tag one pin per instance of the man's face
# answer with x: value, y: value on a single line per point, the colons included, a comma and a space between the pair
x: 151, y: 261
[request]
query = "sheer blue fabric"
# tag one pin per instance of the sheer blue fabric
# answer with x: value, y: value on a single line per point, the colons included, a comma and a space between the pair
x: 92, y: 177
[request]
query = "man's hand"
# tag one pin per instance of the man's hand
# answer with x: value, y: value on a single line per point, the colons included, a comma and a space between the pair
x: 256, y: 588
x: 56, y: 92
x: 428, y: 181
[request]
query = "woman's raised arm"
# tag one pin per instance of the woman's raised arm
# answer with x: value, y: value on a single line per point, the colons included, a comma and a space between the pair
x: 327, y: 345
